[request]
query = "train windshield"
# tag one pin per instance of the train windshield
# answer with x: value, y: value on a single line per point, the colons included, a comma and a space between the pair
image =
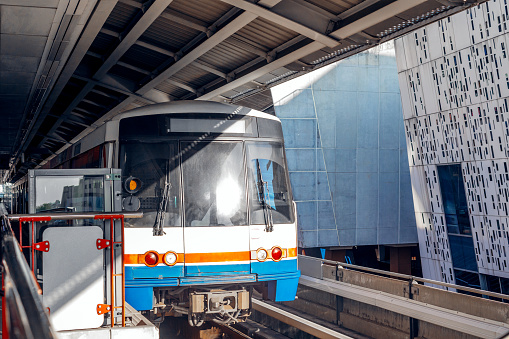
x: 156, y: 165
x: 214, y: 184
x: 268, y: 186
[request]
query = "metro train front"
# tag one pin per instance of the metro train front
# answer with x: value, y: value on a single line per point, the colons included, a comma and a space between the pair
x: 219, y: 219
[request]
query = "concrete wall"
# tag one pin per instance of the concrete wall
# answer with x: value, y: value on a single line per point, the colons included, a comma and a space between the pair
x: 345, y: 144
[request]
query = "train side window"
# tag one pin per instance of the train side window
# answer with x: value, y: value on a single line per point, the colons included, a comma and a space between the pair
x: 268, y: 182
x: 214, y: 184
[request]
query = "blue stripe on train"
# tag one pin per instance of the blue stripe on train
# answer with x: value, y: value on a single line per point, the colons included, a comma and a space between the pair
x: 260, y: 268
x: 282, y: 276
x: 270, y: 267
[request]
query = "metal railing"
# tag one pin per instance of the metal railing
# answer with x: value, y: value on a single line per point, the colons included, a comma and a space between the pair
x: 409, y: 278
x: 23, y: 313
x: 117, y: 270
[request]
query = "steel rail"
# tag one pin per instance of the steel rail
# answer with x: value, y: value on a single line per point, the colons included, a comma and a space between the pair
x: 231, y: 331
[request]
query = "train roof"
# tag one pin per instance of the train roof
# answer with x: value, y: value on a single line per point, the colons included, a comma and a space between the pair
x: 193, y: 106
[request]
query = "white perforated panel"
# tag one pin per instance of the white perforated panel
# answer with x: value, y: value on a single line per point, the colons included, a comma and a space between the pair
x: 454, y: 79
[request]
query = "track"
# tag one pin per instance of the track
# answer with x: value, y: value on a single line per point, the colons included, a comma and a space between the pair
x: 291, y: 323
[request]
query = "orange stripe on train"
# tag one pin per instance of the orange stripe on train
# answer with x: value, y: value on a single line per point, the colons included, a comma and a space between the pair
x: 193, y: 258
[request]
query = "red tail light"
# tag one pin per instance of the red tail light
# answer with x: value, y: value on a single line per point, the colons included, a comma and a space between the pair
x: 276, y: 253
x: 151, y: 259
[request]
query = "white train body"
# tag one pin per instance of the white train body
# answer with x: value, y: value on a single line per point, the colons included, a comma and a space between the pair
x: 219, y: 219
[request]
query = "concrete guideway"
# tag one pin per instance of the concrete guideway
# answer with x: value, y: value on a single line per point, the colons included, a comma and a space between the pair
x: 477, y: 326
x: 296, y: 321
x: 385, y: 299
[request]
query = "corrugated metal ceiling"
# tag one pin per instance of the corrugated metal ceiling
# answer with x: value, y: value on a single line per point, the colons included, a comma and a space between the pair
x: 134, y: 53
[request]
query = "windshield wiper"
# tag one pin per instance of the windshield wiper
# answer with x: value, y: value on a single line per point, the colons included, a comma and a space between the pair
x: 161, y: 210
x: 263, y: 197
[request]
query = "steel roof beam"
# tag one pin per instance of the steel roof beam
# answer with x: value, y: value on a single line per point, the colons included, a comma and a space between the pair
x: 152, y: 13
x: 137, y: 30
x: 132, y: 3
x: 183, y: 20
x: 104, y: 94
x: 155, y: 48
x: 134, y: 68
x: 209, y: 68
x: 356, y: 9
x: 95, y: 22
x: 378, y: 16
x: 181, y: 85
x: 236, y: 24
x: 284, y: 21
x: 372, y: 19
x: 111, y: 33
x: 148, y: 98
x: 246, y: 46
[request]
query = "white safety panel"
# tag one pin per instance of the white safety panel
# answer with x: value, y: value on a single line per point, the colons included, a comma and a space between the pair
x: 73, y: 277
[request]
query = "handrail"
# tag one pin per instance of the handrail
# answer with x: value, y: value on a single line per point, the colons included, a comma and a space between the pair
x: 73, y: 215
x: 24, y: 314
x: 410, y: 278
x: 111, y: 216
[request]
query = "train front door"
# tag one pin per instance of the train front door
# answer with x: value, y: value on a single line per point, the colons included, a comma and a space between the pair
x: 216, y: 235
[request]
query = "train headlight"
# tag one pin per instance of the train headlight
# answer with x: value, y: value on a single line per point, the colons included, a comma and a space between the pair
x: 151, y: 259
x: 276, y: 253
x: 261, y: 254
x: 132, y: 185
x: 170, y: 258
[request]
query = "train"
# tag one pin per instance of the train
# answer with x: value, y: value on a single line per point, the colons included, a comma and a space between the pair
x: 219, y: 221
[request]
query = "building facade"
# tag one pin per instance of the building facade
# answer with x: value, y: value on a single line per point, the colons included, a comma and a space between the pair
x: 455, y: 93
x: 346, y: 150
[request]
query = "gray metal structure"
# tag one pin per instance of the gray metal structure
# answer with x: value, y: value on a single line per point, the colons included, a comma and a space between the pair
x: 69, y: 66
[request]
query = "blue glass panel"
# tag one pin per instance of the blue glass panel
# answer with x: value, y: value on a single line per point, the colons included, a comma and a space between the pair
x: 462, y: 251
x: 467, y: 279
x: 454, y: 199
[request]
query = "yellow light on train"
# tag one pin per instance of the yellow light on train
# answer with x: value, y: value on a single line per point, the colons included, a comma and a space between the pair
x: 132, y: 185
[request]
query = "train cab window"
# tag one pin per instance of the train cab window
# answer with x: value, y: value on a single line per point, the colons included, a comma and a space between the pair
x: 156, y: 166
x: 214, y: 184
x: 268, y: 183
